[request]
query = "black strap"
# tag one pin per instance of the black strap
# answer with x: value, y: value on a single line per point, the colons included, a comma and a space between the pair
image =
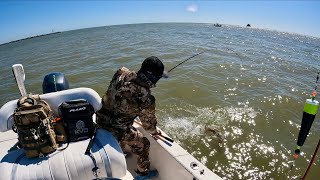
x: 95, y: 169
x: 64, y: 147
x: 91, y: 141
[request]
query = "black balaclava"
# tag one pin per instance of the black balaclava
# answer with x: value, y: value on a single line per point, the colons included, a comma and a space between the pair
x: 152, y: 68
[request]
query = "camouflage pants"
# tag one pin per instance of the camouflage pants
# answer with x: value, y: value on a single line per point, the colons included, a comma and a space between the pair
x: 128, y: 136
x: 140, y: 146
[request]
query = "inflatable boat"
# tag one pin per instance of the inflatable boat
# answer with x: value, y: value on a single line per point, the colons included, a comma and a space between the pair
x: 106, y: 160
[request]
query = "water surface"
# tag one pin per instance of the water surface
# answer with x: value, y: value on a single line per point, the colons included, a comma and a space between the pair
x: 251, y: 85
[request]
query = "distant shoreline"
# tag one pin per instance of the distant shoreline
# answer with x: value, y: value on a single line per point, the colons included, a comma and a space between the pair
x: 232, y: 25
x: 30, y: 38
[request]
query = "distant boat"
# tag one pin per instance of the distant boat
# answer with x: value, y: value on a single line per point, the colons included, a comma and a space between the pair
x: 217, y: 25
x: 248, y: 25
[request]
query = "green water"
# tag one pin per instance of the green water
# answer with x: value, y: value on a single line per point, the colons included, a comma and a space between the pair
x: 254, y: 96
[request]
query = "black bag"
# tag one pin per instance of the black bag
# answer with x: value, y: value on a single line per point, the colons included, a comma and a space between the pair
x: 77, y: 118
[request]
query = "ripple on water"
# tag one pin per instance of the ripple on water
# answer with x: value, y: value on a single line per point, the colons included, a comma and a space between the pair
x: 249, y: 153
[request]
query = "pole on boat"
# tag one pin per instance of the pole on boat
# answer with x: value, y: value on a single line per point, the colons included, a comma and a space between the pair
x: 161, y: 135
x: 309, y: 113
x: 19, y: 76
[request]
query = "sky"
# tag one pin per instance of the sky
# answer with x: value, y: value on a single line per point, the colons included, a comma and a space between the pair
x: 20, y: 19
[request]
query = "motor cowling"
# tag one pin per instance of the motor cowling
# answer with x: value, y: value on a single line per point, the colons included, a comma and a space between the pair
x: 55, y: 81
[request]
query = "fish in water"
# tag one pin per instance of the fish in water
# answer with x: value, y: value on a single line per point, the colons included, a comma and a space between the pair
x: 213, y: 131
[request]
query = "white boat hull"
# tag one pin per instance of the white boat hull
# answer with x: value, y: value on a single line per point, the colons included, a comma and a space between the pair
x: 172, y: 161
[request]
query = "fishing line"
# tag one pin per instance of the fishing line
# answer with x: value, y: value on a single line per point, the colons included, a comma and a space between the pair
x: 237, y: 55
x: 241, y: 66
x: 316, y: 86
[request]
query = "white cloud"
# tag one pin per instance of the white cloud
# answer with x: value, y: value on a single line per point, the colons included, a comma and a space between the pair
x: 192, y: 8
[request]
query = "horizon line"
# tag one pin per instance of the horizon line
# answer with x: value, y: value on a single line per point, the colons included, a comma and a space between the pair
x: 244, y: 26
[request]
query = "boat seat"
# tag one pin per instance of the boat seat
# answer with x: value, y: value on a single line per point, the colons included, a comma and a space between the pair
x: 71, y: 163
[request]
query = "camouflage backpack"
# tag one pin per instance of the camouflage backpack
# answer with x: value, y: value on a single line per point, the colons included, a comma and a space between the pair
x: 33, y: 123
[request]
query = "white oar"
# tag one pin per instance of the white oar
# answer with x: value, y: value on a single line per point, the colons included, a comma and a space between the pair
x: 20, y: 76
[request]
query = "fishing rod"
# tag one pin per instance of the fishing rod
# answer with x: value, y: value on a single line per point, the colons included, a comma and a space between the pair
x: 309, y: 113
x: 187, y: 60
x: 202, y: 53
x: 312, y: 159
x: 161, y: 135
x: 314, y: 93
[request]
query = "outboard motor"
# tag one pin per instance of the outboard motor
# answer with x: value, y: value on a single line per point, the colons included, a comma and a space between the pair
x: 55, y: 81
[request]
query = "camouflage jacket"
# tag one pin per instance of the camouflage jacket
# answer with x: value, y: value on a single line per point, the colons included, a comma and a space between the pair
x: 127, y: 97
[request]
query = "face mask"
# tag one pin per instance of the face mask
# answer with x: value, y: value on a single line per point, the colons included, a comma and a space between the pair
x: 153, y: 78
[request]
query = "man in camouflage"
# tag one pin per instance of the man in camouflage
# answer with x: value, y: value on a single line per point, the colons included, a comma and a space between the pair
x: 129, y: 96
